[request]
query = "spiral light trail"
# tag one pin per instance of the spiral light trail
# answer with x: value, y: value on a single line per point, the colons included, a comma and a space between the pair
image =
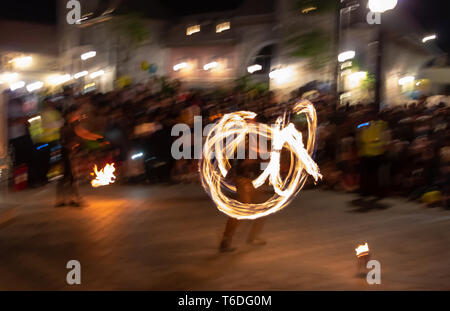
x: 234, y: 128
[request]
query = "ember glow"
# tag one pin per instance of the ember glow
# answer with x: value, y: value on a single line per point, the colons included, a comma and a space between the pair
x: 362, y: 250
x: 215, y: 165
x: 103, y: 177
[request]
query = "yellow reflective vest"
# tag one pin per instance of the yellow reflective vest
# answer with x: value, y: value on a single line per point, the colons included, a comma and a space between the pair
x: 372, y: 139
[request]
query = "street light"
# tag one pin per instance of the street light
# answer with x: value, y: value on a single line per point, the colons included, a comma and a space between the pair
x: 58, y: 79
x: 88, y: 55
x: 211, y: 65
x: 22, y: 62
x: 80, y: 74
x: 10, y: 77
x: 253, y: 68
x: 406, y: 80
x: 381, y: 6
x: 34, y: 86
x: 180, y: 66
x: 17, y: 85
x: 282, y: 75
x: 97, y: 74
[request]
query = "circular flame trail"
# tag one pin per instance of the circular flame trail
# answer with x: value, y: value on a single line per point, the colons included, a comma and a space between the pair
x: 214, y: 165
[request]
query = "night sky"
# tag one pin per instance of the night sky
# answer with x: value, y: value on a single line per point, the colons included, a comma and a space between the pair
x: 431, y: 14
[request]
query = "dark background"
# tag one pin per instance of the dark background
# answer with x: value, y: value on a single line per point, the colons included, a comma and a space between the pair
x: 431, y: 14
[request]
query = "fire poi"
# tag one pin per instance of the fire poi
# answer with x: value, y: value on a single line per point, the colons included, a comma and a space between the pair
x: 215, y: 165
x: 103, y: 177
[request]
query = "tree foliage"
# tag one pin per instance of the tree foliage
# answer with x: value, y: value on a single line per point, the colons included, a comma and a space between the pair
x: 314, y: 45
x: 131, y: 28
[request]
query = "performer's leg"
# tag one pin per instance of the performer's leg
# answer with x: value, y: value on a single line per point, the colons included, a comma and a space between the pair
x: 77, y: 200
x: 255, y: 232
x: 230, y: 230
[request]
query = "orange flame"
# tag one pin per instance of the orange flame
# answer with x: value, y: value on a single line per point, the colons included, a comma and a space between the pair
x: 103, y: 177
x: 362, y: 250
x: 215, y: 163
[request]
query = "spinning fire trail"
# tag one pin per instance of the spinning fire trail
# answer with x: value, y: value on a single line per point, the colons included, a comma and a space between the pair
x: 215, y: 165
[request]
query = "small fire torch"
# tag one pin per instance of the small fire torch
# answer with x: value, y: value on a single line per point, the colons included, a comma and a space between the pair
x: 363, y: 257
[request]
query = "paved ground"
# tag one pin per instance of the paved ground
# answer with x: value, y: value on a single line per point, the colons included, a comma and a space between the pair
x: 166, y: 237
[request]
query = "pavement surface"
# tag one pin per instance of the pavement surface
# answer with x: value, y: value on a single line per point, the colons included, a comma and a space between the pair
x: 166, y: 238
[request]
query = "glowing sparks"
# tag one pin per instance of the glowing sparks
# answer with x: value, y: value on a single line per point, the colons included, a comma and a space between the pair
x: 362, y: 250
x: 103, y: 177
x: 215, y: 165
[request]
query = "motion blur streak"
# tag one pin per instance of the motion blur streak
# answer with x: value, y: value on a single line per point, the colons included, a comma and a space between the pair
x: 215, y: 165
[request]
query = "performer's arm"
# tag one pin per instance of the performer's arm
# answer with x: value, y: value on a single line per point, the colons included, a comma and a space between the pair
x: 85, y: 134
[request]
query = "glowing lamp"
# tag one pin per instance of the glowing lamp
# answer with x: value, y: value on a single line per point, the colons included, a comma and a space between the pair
x: 80, y: 74
x: 58, y: 79
x: 428, y: 38
x: 97, y: 74
x: 10, y: 77
x: 345, y: 56
x: 254, y: 68
x: 88, y: 55
x: 282, y: 75
x: 210, y: 66
x: 222, y: 27
x: 22, y: 62
x: 180, y: 66
x: 406, y: 80
x: 17, y: 85
x: 193, y: 29
x: 34, y: 86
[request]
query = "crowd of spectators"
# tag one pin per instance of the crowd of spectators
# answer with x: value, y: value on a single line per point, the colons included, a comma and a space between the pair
x: 398, y: 151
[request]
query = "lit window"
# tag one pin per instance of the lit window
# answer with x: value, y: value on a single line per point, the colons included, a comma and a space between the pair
x: 222, y: 27
x: 193, y: 29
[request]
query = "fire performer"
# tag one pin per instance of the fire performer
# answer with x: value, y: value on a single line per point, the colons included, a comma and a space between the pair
x: 286, y: 182
x: 72, y: 134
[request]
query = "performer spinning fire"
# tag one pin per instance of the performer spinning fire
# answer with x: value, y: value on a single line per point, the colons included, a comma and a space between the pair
x: 285, y: 176
x: 71, y: 137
